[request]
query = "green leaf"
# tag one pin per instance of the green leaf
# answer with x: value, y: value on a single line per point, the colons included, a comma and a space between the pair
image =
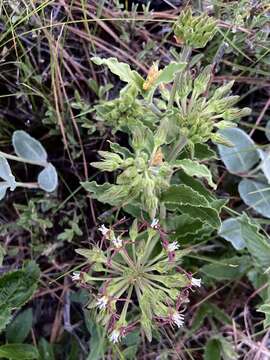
x: 97, y: 344
x: 5, y: 316
x: 2, y: 254
x: 27, y: 147
x: 240, y: 158
x: 6, y: 174
x: 183, y: 195
x: 193, y: 168
x: 227, y: 269
x: 203, y: 152
x: 231, y: 231
x: 48, y: 179
x: 195, y: 185
x: 167, y: 74
x: 18, y: 330
x: 256, y: 195
x: 45, y: 350
x: 17, y: 287
x: 212, y: 350
x: 189, y: 201
x: 18, y: 352
x: 122, y: 70
x: 257, y: 244
x: 265, y: 308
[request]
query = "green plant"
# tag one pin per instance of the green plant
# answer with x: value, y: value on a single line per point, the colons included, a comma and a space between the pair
x: 168, y: 128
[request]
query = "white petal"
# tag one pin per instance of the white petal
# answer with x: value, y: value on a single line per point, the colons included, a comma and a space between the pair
x: 196, y: 282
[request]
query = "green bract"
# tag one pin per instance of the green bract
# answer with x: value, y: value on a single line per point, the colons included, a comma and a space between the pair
x: 194, y: 31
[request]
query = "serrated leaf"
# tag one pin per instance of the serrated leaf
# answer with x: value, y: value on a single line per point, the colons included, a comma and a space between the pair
x: 122, y: 70
x: 243, y: 156
x: 6, y: 174
x: 193, y: 168
x: 17, y: 287
x: 256, y: 195
x: 231, y: 231
x: 18, y: 352
x: 27, y: 147
x: 257, y: 244
x: 20, y: 327
x: 48, y: 179
x: 203, y: 152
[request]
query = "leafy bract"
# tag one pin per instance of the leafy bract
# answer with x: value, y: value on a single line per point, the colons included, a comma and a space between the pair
x: 122, y: 70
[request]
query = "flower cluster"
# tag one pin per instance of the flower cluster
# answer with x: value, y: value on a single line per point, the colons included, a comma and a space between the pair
x: 194, y: 31
x: 136, y: 284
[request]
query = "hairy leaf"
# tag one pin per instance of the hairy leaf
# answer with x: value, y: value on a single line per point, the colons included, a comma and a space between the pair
x: 28, y: 148
x: 48, y: 179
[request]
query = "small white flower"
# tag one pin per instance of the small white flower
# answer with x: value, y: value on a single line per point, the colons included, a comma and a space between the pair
x: 104, y: 230
x: 196, y: 282
x: 102, y: 302
x: 75, y: 276
x: 115, y: 336
x: 178, y: 319
x: 117, y: 242
x: 154, y: 223
x: 173, y: 246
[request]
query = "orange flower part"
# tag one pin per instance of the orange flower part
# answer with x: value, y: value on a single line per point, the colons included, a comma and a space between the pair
x: 152, y: 76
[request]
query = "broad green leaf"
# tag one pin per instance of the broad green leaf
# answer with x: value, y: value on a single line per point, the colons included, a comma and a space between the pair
x: 193, y: 168
x: 204, y: 213
x: 183, y: 195
x: 167, y: 74
x: 20, y: 327
x: 203, y: 152
x: 258, y: 245
x: 18, y: 352
x: 242, y: 157
x: 256, y: 195
x: 45, y: 350
x: 212, y: 350
x: 27, y: 147
x: 48, y: 179
x: 17, y: 287
x: 227, y: 269
x: 5, y: 316
x: 227, y: 349
x: 195, y: 185
x: 122, y: 70
x: 6, y: 174
x: 231, y: 231
x: 190, y: 202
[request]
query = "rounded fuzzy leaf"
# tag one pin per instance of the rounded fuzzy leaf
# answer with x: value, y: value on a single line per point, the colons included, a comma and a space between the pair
x: 28, y: 148
x: 267, y: 130
x: 6, y: 174
x: 231, y: 231
x: 256, y: 195
x: 48, y: 179
x: 265, y: 164
x: 3, y: 190
x: 240, y: 158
